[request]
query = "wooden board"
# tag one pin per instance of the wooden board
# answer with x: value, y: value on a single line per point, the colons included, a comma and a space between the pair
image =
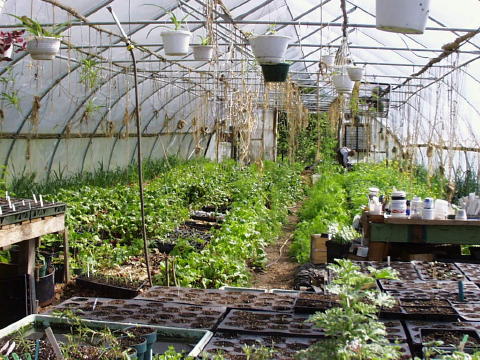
x: 31, y: 230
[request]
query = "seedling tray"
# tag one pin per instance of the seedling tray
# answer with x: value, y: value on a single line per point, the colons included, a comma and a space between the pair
x: 269, y: 323
x: 146, y: 312
x: 438, y: 271
x: 430, y: 313
x: 14, y: 217
x: 447, y: 290
x: 405, y: 270
x: 231, y: 299
x: 414, y: 329
x: 243, y: 289
x: 471, y: 271
x: 395, y: 331
x: 231, y: 344
x: 468, y: 311
x: 192, y: 340
x: 113, y: 291
x: 48, y: 209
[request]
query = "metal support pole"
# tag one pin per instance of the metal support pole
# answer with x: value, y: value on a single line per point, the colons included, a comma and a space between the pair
x: 130, y: 48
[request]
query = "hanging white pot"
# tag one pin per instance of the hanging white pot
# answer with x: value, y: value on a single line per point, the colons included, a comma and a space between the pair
x: 342, y: 82
x: 203, y: 52
x: 270, y: 49
x: 43, y: 48
x: 176, y: 42
x: 402, y: 16
x: 355, y: 72
x: 328, y: 60
x: 2, y: 4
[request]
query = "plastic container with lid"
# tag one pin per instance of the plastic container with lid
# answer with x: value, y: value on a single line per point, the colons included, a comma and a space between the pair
x: 428, y: 203
x: 416, y: 207
x: 398, y: 204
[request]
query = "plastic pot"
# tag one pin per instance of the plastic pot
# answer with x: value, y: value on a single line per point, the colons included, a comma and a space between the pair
x: 342, y: 82
x: 7, y: 54
x: 355, y: 73
x: 405, y: 16
x: 59, y: 273
x: 328, y: 60
x: 140, y: 347
x: 276, y: 72
x: 45, y: 288
x: 203, y: 52
x: 176, y: 42
x: 43, y: 48
x: 2, y: 4
x: 336, y: 250
x: 269, y: 49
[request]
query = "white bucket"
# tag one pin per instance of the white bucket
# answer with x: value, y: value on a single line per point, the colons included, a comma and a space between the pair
x: 402, y: 16
x: 342, y: 82
x: 203, y: 52
x: 43, y: 48
x: 270, y: 49
x: 428, y: 214
x: 398, y: 204
x: 176, y: 43
x: 355, y: 73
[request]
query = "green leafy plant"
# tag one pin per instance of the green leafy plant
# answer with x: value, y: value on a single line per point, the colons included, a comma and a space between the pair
x: 89, y: 73
x: 176, y: 22
x: 36, y: 29
x: 271, y: 30
x: 352, y: 329
x: 11, y: 98
x: 205, y: 40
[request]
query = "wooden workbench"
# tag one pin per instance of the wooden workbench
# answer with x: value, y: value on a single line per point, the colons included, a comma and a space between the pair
x: 27, y: 235
x: 382, y: 231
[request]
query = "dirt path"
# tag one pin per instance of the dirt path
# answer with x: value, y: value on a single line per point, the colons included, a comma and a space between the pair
x: 280, y: 269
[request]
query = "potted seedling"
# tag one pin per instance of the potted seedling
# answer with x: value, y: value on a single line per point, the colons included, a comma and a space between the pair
x: 176, y: 41
x: 406, y: 16
x: 339, y: 245
x: 204, y: 51
x: 269, y: 48
x: 45, y: 44
x: 341, y: 80
x: 7, y: 40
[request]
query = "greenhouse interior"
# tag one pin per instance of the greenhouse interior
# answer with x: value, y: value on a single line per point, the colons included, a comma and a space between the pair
x: 239, y: 179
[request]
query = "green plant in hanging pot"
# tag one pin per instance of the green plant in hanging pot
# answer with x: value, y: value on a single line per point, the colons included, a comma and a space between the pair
x: 204, y: 51
x: 45, y: 44
x: 89, y: 73
x: 176, y: 41
x: 269, y: 48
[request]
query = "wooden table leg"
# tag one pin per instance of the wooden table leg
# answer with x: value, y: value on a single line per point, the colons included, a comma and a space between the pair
x: 376, y: 251
x: 66, y: 255
x: 26, y: 265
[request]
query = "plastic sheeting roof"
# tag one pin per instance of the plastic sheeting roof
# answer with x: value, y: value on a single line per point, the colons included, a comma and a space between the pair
x: 445, y: 113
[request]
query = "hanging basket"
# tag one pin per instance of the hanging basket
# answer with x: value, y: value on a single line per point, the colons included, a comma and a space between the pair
x: 270, y: 49
x: 402, y: 16
x: 2, y: 4
x: 176, y: 42
x: 203, y: 52
x: 342, y: 82
x: 43, y: 48
x: 355, y: 73
x: 275, y: 72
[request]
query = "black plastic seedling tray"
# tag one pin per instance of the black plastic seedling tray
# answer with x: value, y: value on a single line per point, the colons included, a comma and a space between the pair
x: 468, y: 311
x: 48, y: 209
x: 231, y: 299
x: 269, y: 323
x: 113, y: 291
x: 146, y: 312
x: 231, y: 344
x: 438, y: 271
x: 14, y: 217
x: 405, y: 270
x: 395, y: 331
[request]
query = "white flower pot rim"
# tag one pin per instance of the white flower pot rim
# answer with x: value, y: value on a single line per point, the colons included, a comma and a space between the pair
x: 202, y: 46
x: 169, y: 32
x: 272, y: 35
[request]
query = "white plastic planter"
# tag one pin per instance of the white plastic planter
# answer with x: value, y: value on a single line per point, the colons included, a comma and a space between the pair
x: 203, y: 52
x: 2, y: 4
x: 176, y: 43
x: 328, y: 60
x: 355, y: 73
x: 43, y: 48
x: 270, y: 49
x: 402, y: 16
x: 342, y: 82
